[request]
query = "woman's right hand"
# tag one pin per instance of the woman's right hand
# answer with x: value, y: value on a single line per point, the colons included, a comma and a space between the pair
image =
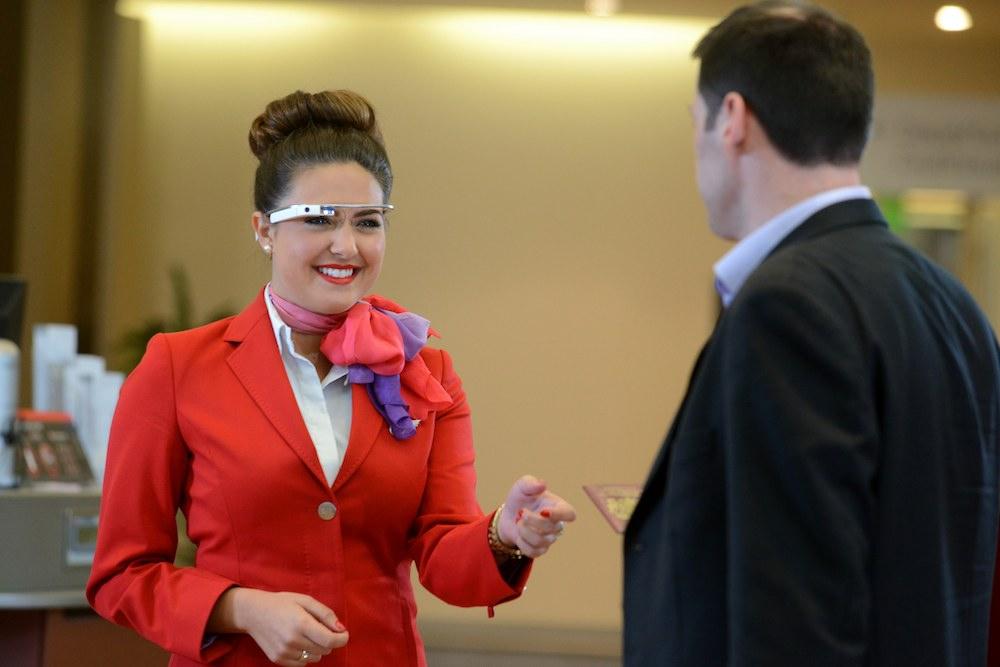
x: 291, y: 629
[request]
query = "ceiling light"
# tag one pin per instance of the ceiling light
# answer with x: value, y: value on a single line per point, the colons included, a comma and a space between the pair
x: 602, y: 7
x: 953, y: 18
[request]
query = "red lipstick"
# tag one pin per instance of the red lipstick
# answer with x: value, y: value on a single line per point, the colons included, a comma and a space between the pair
x: 341, y: 279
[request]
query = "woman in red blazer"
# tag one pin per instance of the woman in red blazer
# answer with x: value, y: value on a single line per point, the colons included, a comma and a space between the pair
x: 315, y: 445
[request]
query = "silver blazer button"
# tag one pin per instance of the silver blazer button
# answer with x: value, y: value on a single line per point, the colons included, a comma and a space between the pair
x: 326, y: 510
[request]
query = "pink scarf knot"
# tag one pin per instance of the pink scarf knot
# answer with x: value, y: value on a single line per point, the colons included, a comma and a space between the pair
x: 379, y: 342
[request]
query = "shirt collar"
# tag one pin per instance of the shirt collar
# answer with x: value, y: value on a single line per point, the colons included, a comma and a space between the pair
x: 736, y: 265
x: 283, y: 334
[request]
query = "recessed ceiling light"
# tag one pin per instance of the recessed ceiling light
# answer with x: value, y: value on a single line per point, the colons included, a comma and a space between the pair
x: 602, y: 7
x: 953, y: 18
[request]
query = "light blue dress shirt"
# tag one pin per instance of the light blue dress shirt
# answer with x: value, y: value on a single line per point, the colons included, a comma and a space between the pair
x: 736, y: 265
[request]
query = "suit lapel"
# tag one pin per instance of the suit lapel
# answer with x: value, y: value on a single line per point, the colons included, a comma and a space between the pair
x: 257, y: 364
x: 656, y: 481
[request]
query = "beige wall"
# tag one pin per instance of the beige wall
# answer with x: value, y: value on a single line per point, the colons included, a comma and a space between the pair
x: 548, y: 222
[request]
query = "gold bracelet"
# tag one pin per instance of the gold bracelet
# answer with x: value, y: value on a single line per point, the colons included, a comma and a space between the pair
x: 496, y: 544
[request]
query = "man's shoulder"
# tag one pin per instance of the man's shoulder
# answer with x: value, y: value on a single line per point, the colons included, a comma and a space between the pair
x: 849, y: 255
x: 864, y: 273
x: 838, y: 271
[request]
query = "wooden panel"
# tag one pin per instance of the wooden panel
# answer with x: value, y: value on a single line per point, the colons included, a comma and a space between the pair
x: 81, y: 638
x: 11, y: 57
x: 21, y: 634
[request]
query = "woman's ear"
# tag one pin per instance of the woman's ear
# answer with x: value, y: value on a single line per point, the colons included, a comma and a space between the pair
x: 261, y: 232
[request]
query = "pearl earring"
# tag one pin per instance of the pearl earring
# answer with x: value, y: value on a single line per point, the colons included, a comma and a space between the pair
x: 267, y: 250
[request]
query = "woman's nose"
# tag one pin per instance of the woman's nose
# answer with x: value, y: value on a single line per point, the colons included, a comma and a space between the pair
x: 342, y: 241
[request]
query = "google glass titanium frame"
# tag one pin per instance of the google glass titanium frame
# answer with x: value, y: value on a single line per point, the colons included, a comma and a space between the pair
x: 307, y: 210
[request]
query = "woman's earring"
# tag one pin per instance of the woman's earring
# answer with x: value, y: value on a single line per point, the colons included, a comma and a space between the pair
x: 267, y: 250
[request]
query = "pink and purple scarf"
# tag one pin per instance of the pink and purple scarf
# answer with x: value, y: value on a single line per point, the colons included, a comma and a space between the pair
x: 378, y: 341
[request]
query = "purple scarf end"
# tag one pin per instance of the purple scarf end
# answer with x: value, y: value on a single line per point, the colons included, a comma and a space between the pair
x: 386, y: 395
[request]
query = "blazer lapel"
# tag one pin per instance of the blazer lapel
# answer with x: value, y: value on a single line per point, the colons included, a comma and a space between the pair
x: 257, y: 364
x: 656, y: 480
x: 366, y: 426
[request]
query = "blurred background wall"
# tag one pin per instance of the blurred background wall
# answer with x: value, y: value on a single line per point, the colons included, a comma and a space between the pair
x: 547, y: 217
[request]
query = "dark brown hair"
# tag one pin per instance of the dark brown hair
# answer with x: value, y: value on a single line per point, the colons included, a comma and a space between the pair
x: 302, y: 130
x: 805, y: 74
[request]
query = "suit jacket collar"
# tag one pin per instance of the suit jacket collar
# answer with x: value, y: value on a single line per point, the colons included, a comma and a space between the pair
x: 848, y: 213
x: 257, y: 363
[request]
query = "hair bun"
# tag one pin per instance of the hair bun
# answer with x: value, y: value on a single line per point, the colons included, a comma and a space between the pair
x: 335, y: 109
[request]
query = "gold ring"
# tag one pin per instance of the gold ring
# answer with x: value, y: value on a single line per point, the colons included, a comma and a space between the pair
x: 305, y: 655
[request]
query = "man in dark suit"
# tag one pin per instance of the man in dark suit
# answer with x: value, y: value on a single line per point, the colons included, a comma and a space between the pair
x: 827, y: 494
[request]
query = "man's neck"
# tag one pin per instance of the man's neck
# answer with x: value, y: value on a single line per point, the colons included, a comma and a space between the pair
x: 782, y: 185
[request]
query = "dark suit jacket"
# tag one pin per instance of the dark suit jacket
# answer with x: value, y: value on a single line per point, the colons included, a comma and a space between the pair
x: 827, y: 494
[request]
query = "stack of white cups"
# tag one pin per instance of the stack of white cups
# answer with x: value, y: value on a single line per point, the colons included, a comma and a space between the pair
x: 78, y: 384
x: 9, y: 358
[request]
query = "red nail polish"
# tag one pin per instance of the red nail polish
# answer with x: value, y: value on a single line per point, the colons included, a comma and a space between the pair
x: 545, y: 513
x: 520, y: 515
x: 339, y: 627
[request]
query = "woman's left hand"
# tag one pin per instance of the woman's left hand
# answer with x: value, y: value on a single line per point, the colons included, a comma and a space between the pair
x: 533, y: 518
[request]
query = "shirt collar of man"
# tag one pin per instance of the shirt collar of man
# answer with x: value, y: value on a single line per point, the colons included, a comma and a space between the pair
x: 283, y: 334
x: 736, y: 265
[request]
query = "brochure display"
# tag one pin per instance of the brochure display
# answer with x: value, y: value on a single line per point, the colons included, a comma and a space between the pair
x: 615, y: 501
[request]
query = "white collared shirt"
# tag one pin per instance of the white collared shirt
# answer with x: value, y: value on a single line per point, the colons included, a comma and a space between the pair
x: 736, y: 265
x: 325, y: 405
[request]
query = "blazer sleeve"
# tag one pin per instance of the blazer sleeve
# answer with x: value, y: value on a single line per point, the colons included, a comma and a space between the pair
x: 799, y: 440
x: 133, y: 581
x: 449, y: 537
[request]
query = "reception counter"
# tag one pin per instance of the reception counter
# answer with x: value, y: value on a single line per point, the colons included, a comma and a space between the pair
x: 47, y: 537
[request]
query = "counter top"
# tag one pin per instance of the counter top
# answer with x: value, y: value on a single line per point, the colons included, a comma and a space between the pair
x: 68, y: 599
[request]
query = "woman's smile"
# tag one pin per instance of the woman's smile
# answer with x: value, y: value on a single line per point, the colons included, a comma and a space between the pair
x: 337, y: 273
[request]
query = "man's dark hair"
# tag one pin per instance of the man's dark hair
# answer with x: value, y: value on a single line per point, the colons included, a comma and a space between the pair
x: 805, y: 74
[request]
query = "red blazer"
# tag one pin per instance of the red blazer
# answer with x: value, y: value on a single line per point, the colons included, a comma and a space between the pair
x: 208, y: 423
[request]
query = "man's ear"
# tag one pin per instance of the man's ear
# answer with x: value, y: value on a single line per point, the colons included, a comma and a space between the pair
x: 734, y: 115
